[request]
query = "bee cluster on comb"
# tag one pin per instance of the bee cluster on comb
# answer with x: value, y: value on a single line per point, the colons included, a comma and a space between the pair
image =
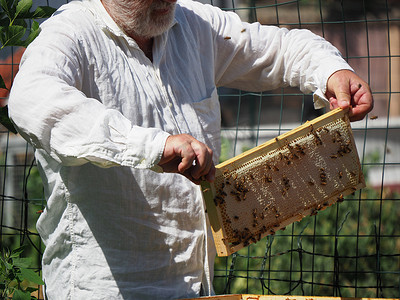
x: 281, y: 181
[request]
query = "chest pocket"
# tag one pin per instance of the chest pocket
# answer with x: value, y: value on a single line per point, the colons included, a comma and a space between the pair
x: 208, y: 129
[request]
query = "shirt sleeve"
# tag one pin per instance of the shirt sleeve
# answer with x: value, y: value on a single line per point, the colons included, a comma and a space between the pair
x: 52, y: 113
x: 258, y: 57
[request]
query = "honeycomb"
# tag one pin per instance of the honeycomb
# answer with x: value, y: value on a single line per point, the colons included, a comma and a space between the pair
x: 275, y: 184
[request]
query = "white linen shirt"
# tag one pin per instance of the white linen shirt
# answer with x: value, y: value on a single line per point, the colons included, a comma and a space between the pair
x: 98, y: 113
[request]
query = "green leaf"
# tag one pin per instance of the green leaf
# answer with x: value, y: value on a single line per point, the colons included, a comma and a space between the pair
x: 4, y: 20
x: 2, y: 84
x: 22, y: 262
x: 5, y: 120
x: 20, y: 22
x: 23, y: 7
x: 43, y: 12
x: 34, y: 32
x: 8, y: 265
x: 31, y: 289
x: 31, y: 276
x: 21, y: 295
x: 6, y: 7
x: 17, y: 251
x: 14, y: 33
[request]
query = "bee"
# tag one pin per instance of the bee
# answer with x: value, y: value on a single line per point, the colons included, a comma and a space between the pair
x: 276, y: 169
x: 235, y: 243
x: 267, y: 178
x: 373, y: 117
x: 222, y: 193
x: 227, y: 38
x: 340, y: 174
x: 322, y: 176
x: 340, y: 198
x: 310, y: 183
x: 243, y: 30
x: 318, y: 140
x: 234, y: 193
x: 206, y: 190
x: 334, y: 156
x: 236, y: 218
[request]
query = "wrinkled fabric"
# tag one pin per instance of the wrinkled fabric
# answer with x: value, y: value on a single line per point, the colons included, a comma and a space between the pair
x: 98, y: 113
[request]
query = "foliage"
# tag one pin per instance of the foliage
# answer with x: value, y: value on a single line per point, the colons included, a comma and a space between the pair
x: 18, y: 27
x: 15, y: 275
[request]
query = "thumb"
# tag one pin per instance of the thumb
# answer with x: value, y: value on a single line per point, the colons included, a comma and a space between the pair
x: 339, y: 89
x: 343, y: 97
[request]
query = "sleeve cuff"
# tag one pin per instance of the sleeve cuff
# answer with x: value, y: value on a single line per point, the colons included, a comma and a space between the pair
x: 145, y: 147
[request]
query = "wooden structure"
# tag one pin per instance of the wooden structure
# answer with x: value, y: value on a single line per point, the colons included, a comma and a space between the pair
x: 281, y: 181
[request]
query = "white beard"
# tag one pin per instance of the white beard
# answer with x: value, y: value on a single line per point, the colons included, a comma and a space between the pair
x: 137, y: 18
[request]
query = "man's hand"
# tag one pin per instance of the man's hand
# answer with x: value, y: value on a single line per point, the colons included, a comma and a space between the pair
x: 185, y: 155
x: 347, y: 89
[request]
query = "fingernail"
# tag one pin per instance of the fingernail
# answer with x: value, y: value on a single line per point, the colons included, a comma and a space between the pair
x: 344, y: 103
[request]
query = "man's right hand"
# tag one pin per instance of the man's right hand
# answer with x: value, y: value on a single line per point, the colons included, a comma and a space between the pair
x: 185, y: 155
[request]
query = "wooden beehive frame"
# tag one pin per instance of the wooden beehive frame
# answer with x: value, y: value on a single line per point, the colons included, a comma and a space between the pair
x: 281, y: 181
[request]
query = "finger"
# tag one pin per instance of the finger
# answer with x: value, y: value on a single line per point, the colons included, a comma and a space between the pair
x: 363, y: 102
x: 361, y: 109
x: 333, y: 103
x: 188, y: 174
x: 188, y: 156
x: 210, y: 177
x: 203, y: 161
